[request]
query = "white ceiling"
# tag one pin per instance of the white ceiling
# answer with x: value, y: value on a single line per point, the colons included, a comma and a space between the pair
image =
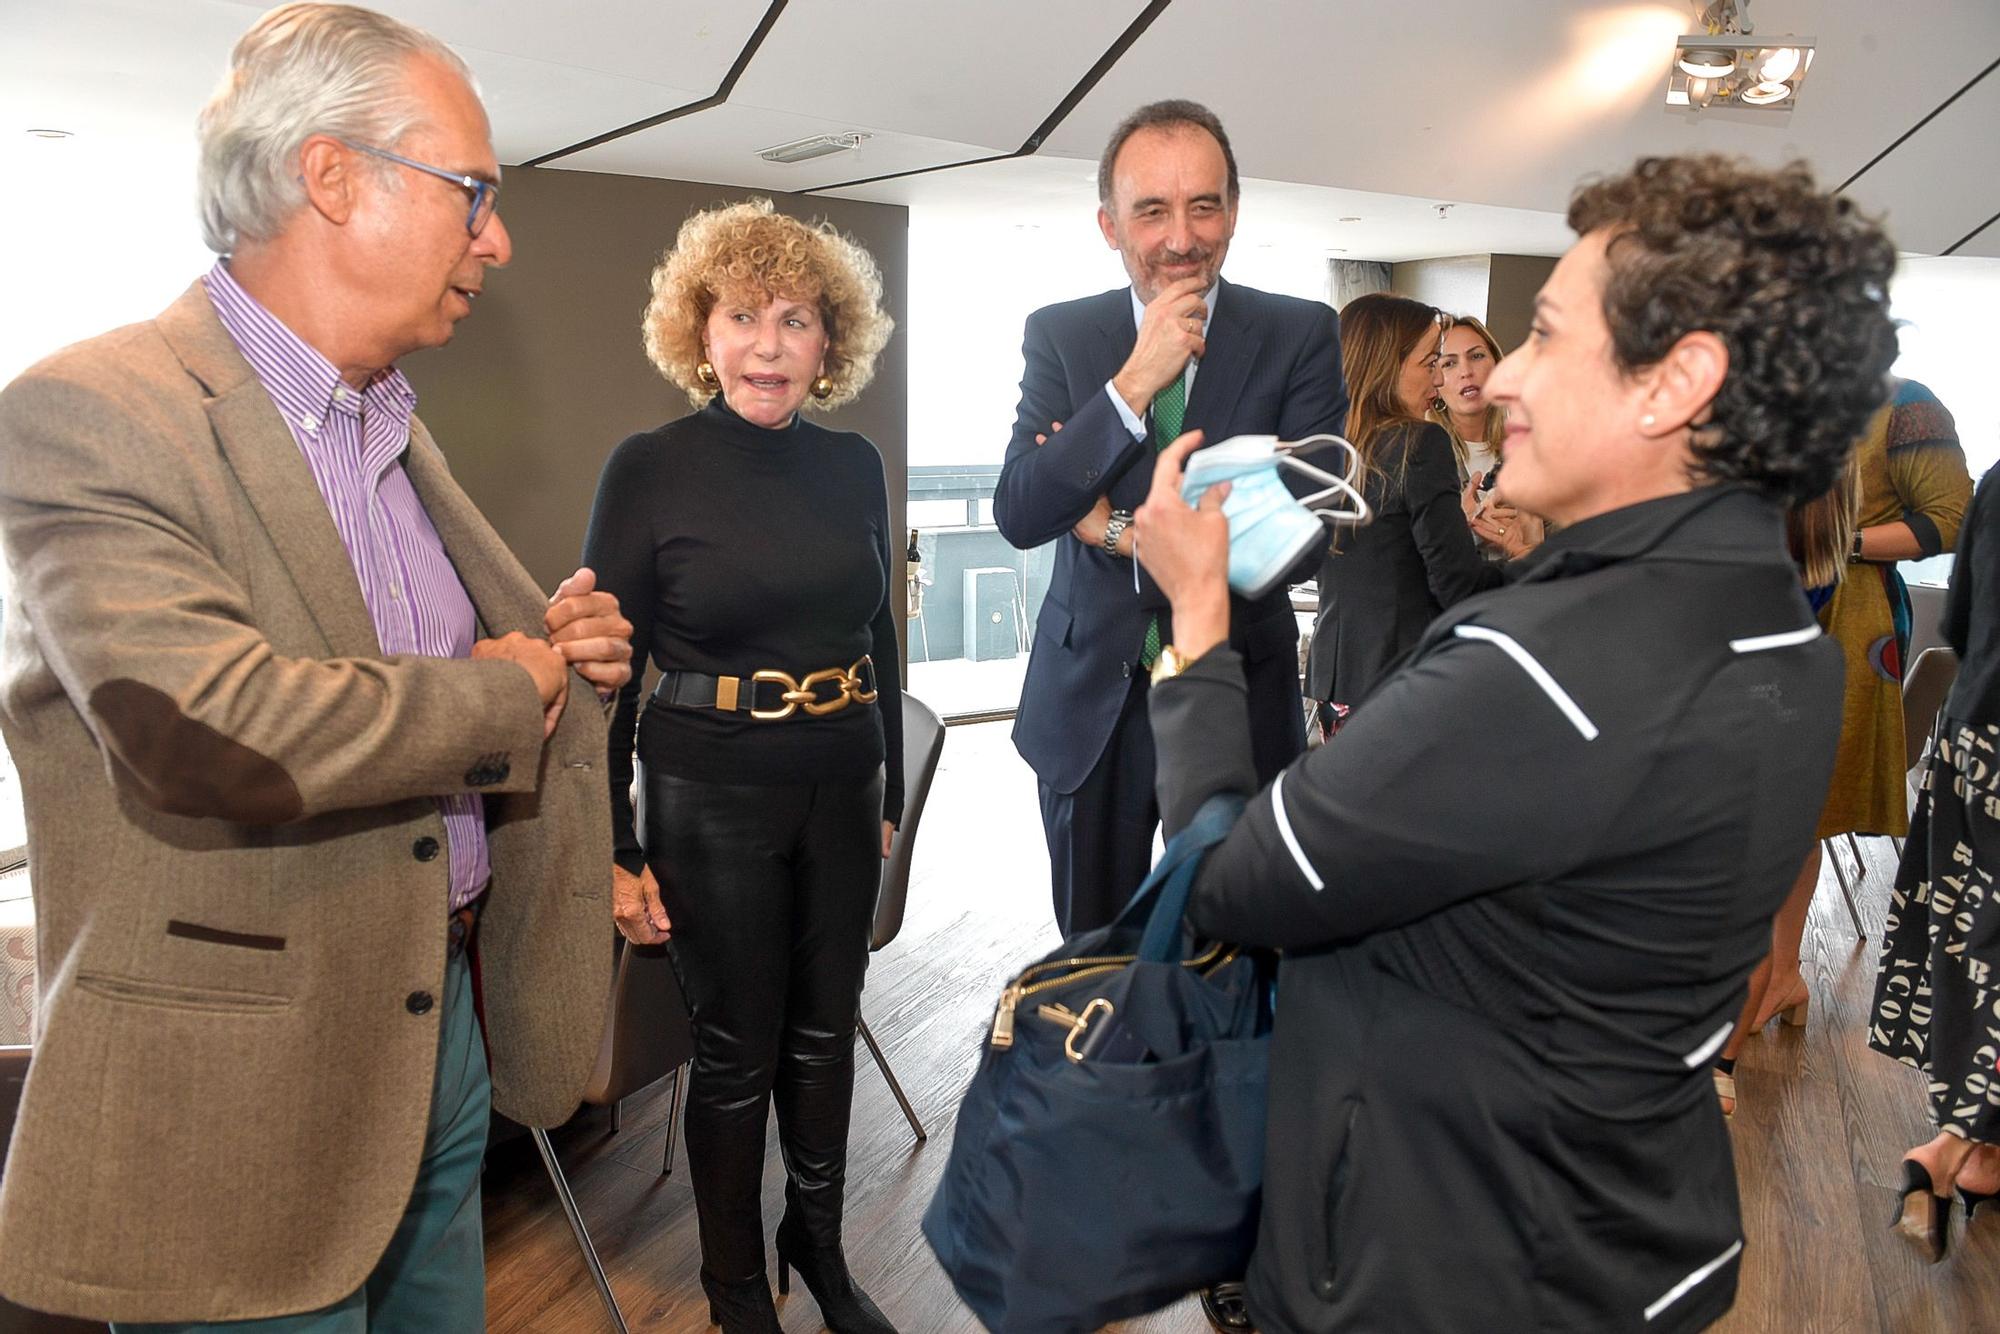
x: 1338, y: 108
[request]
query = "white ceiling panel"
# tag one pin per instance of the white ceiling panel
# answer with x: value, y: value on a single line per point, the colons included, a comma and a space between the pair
x: 1511, y: 105
x: 721, y: 145
x: 982, y: 74
x: 1927, y: 208
x: 1502, y: 106
x: 679, y: 43
x: 134, y: 69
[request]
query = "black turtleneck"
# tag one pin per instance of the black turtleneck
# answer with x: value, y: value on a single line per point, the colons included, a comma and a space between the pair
x: 734, y: 548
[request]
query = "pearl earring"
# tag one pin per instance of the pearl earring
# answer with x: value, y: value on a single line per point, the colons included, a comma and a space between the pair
x: 1647, y: 421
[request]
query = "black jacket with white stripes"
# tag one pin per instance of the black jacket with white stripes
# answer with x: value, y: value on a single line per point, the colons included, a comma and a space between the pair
x: 1519, y: 896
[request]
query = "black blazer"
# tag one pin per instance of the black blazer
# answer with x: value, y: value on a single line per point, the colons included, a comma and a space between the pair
x: 1390, y: 579
x: 1272, y: 367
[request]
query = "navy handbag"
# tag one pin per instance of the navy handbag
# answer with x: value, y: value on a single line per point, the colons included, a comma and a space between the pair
x: 1109, y: 1153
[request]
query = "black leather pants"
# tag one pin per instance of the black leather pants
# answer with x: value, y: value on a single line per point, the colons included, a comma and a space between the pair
x: 772, y: 895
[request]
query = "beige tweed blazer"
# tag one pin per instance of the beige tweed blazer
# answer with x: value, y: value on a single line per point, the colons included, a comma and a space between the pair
x: 225, y: 780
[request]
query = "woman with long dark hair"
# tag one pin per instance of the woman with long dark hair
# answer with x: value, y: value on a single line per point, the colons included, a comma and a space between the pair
x: 1381, y: 584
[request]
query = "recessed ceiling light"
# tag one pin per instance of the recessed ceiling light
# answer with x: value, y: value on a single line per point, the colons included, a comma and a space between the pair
x: 818, y: 145
x: 50, y: 134
x: 1350, y: 219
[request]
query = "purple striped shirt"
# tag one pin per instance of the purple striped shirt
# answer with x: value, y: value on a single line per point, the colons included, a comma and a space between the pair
x: 354, y: 441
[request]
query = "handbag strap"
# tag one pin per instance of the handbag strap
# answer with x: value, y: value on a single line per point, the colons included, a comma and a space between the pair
x: 1164, y: 895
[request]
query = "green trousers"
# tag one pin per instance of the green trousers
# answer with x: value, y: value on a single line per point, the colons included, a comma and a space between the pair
x: 432, y: 1279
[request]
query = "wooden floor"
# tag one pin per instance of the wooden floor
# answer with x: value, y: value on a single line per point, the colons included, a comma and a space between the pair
x: 1822, y: 1124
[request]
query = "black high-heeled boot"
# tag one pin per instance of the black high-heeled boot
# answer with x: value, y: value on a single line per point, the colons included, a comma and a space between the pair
x: 743, y: 1307
x: 1923, y: 1216
x: 843, y: 1306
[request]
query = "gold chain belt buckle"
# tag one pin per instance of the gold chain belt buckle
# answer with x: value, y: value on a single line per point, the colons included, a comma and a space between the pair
x: 802, y: 694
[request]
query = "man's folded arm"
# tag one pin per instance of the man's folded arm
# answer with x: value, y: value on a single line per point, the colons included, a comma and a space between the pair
x: 154, y: 642
x: 1044, y: 490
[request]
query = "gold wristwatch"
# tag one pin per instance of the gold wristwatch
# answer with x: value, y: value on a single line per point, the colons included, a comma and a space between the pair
x: 1171, y: 663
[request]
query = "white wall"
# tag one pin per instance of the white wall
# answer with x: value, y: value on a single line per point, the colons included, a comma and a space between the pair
x: 98, y: 231
x: 1949, y: 342
x: 975, y: 280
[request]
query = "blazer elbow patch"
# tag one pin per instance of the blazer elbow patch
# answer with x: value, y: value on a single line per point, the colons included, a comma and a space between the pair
x: 187, y: 767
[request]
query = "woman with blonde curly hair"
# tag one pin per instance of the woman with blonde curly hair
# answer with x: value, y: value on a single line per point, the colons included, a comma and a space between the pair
x: 751, y: 549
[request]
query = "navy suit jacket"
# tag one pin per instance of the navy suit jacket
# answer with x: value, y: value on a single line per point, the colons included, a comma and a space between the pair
x: 1272, y: 366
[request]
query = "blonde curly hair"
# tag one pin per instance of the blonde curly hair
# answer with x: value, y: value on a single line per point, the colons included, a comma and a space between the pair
x: 751, y: 250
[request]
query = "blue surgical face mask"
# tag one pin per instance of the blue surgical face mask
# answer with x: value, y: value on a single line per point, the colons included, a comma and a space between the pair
x: 1270, y: 529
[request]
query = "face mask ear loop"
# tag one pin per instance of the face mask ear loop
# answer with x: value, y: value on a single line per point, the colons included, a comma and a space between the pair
x: 1360, y: 513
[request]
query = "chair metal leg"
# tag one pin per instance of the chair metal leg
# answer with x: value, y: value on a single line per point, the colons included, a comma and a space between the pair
x: 570, y: 1211
x: 1847, y: 894
x: 1860, y: 866
x: 1897, y: 844
x: 875, y: 1050
x: 674, y: 1117
x: 617, y: 1116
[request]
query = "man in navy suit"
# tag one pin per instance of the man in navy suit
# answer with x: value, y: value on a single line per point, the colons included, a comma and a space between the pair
x: 1110, y: 380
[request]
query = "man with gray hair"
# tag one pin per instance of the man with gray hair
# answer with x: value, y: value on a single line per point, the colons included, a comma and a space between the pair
x: 293, y: 741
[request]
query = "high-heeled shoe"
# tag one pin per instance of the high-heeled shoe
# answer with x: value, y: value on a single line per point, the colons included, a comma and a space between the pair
x: 1725, y: 1085
x: 741, y: 1308
x: 1972, y: 1200
x: 843, y: 1306
x: 1795, y: 1013
x: 1923, y: 1216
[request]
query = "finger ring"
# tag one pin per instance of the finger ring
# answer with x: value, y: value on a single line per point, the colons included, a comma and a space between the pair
x: 1503, y: 530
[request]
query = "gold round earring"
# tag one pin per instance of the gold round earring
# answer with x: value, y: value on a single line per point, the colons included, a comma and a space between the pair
x: 705, y: 373
x: 822, y: 389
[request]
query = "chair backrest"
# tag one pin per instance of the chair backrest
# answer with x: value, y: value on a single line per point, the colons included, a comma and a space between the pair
x: 1924, y: 687
x: 923, y: 742
x: 647, y: 1034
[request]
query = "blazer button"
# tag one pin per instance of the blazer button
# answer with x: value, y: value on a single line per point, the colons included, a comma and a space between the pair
x: 1125, y: 670
x: 425, y: 849
x: 419, y: 1002
x: 1090, y: 474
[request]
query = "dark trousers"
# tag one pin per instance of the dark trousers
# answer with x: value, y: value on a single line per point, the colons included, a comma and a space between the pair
x: 771, y: 891
x: 1101, y: 835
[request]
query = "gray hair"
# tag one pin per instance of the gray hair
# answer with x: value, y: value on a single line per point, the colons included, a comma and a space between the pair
x: 301, y: 70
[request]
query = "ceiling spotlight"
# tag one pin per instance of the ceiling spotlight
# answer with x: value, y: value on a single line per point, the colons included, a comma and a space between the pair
x: 1706, y: 63
x: 819, y: 145
x: 1723, y: 65
x: 50, y: 134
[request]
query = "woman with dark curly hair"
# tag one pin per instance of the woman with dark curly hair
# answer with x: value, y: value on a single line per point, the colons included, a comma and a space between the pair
x: 1508, y: 965
x: 752, y: 551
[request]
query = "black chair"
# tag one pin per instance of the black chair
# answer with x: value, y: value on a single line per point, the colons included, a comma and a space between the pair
x: 647, y: 1038
x: 923, y: 742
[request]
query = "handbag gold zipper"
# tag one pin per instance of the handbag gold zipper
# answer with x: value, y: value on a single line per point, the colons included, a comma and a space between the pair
x: 1012, y: 996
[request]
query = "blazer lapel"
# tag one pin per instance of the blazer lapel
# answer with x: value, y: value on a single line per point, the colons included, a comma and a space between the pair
x: 261, y: 452
x: 1233, y: 344
x: 503, y: 593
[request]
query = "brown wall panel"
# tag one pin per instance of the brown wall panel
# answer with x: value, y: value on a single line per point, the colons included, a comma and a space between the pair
x: 548, y: 373
x: 1510, y: 296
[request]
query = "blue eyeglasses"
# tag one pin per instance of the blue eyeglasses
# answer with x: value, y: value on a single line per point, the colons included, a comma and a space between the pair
x: 485, y: 194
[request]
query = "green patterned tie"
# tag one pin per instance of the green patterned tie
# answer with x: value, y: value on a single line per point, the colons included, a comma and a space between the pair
x: 1169, y: 410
